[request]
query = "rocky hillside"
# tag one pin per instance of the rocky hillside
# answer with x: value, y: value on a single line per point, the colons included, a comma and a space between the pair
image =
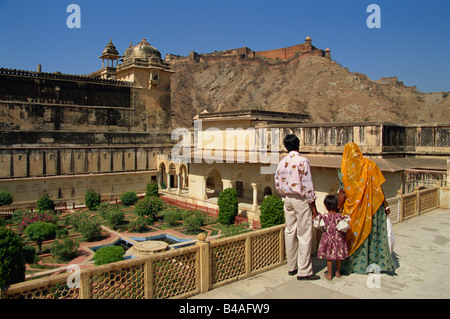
x: 313, y: 85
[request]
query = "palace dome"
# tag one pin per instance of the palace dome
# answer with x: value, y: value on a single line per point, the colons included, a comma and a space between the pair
x: 142, y: 50
x: 110, y: 49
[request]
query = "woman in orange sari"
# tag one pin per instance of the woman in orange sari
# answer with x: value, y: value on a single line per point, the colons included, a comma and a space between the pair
x: 362, y: 198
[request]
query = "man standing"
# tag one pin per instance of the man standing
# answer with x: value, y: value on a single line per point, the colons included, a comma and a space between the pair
x: 294, y: 182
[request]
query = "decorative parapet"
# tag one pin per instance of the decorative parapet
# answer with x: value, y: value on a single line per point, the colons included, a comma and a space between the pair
x: 60, y: 76
x: 177, y: 273
x: 188, y: 271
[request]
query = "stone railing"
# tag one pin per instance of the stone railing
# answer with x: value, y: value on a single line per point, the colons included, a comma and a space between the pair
x: 188, y: 271
x: 177, y: 273
x: 413, y: 204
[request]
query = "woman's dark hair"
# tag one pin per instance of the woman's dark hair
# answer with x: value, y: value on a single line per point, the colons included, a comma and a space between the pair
x: 291, y: 142
x: 331, y: 202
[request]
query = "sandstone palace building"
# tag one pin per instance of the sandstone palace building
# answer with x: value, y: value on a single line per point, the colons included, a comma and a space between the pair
x: 62, y: 134
x: 111, y: 131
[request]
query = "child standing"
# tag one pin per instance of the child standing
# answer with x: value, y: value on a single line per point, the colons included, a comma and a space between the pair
x: 332, y: 244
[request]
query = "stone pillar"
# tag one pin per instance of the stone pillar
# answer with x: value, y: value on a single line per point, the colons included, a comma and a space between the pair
x: 168, y: 181
x: 204, y: 267
x: 255, y: 196
x: 203, y: 194
x: 448, y: 172
x: 226, y: 183
x: 179, y: 183
x: 159, y: 180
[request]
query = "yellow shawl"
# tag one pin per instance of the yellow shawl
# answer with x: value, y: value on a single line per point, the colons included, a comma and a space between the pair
x: 362, y: 181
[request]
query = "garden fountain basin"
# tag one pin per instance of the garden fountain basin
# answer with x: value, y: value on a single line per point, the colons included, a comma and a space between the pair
x: 148, y: 248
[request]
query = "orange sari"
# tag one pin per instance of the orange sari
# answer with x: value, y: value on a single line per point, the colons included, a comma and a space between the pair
x: 362, y: 181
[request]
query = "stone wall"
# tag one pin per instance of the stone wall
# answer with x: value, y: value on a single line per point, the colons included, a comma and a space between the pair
x: 428, y: 139
x: 29, y: 102
x: 62, y: 134
x: 290, y: 52
x: 26, y: 86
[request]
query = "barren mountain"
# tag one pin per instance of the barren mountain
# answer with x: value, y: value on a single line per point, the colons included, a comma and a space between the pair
x: 314, y: 85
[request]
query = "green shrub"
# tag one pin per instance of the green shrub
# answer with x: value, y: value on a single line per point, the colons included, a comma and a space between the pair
x: 18, y: 214
x: 103, y: 207
x: 114, y: 216
x: 108, y: 254
x: 173, y: 216
x: 45, y: 203
x: 149, y: 206
x: 5, y: 198
x: 12, y: 262
x: 272, y: 211
x: 92, y: 199
x: 112, y: 213
x: 194, y: 222
x: 129, y: 198
x: 228, y: 206
x: 62, y: 233
x: 233, y: 230
x: 88, y: 227
x: 64, y: 249
x: 140, y: 225
x: 29, y: 218
x: 40, y: 231
x: 29, y: 253
x: 152, y: 189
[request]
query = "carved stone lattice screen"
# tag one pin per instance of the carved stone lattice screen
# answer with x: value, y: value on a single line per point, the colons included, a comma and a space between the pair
x: 265, y: 250
x: 227, y: 260
x: 175, y: 275
x: 125, y: 283
x: 54, y: 289
x: 409, y: 205
x: 428, y: 199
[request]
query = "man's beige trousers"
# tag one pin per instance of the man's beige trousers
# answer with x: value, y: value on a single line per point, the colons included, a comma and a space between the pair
x: 298, y: 234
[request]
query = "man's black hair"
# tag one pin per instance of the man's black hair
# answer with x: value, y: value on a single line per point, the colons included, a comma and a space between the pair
x: 291, y: 142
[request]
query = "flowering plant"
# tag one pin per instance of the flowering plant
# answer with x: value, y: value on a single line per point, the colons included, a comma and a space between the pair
x: 31, y: 218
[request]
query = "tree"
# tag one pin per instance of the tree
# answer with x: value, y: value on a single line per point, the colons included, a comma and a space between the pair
x: 228, y: 206
x: 129, y: 198
x: 12, y: 262
x: 152, y: 189
x: 64, y: 249
x: 5, y: 198
x: 40, y: 231
x: 193, y: 222
x: 89, y: 227
x: 150, y: 206
x: 92, y: 199
x: 272, y: 212
x: 115, y: 216
x: 45, y: 203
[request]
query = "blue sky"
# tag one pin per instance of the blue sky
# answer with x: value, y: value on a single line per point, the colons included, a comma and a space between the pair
x: 412, y: 43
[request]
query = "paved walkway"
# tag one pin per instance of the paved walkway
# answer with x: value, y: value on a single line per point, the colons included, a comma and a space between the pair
x: 422, y: 250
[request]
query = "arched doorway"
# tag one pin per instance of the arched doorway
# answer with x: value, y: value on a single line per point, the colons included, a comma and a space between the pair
x: 241, y: 182
x: 267, y: 191
x: 214, y: 183
x: 172, y: 180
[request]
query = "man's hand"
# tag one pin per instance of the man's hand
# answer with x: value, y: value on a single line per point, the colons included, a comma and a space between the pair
x: 313, y: 209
